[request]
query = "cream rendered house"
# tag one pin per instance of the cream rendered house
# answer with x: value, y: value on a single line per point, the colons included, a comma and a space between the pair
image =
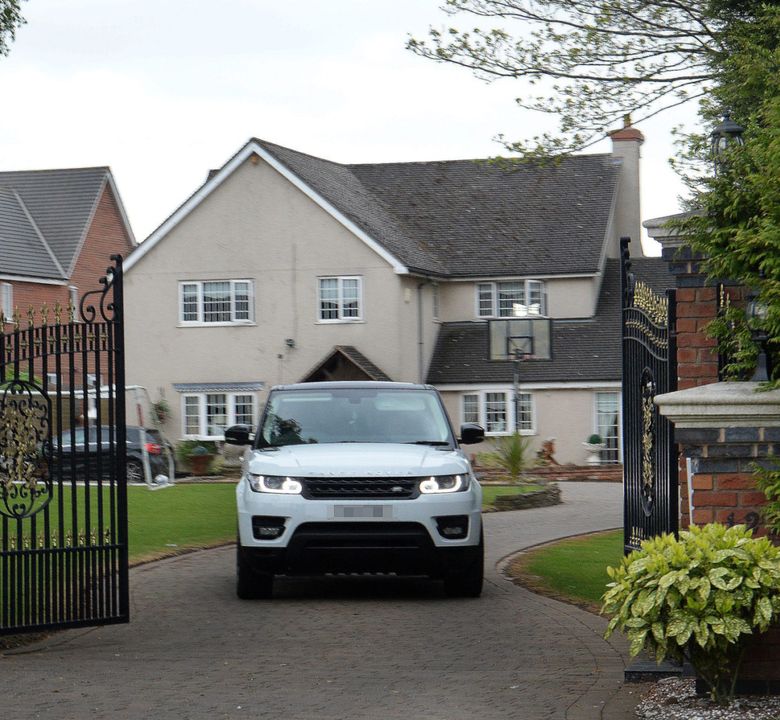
x: 285, y: 267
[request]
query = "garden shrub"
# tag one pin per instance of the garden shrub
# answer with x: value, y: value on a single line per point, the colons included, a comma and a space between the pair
x: 697, y: 598
x: 511, y: 454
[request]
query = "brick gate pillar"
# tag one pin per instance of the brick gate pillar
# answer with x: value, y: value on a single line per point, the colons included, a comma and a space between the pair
x: 725, y: 431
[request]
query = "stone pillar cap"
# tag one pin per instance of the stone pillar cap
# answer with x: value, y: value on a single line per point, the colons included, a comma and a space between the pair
x: 723, y: 404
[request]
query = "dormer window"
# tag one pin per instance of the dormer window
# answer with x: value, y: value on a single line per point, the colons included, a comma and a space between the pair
x: 514, y: 298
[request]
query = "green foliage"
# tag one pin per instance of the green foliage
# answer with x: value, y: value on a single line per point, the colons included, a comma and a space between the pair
x: 735, y: 343
x: 595, y: 439
x: 187, y: 448
x: 511, y: 454
x: 736, y: 223
x: 10, y: 19
x: 768, y: 481
x: 697, y: 598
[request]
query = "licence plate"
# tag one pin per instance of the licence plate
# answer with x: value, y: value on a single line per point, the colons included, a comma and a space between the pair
x: 373, y: 512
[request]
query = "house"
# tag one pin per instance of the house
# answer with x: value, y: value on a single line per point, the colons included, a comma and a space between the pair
x: 58, y: 229
x: 285, y: 267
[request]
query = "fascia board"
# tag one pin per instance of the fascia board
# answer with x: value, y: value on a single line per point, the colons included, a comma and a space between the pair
x: 249, y: 149
x: 31, y: 279
x: 565, y: 385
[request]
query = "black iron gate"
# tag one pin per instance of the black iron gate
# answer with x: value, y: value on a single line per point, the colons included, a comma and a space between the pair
x: 63, y: 495
x: 651, y: 496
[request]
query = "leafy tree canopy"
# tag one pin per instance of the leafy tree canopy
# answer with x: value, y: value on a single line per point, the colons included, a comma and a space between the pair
x: 591, y: 62
x: 10, y: 19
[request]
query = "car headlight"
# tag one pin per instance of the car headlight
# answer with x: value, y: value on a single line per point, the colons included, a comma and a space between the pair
x: 443, y: 484
x: 274, y: 484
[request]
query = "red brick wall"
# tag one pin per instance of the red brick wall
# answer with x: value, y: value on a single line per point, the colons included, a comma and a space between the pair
x: 106, y: 237
x: 697, y: 356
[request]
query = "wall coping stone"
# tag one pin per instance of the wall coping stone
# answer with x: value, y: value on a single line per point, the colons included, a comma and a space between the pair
x: 721, y: 405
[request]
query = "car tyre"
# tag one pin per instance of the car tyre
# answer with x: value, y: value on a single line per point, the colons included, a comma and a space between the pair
x: 251, y: 585
x: 134, y: 472
x: 466, y: 581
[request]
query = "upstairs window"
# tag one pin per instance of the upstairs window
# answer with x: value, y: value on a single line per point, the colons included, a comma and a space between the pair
x: 340, y: 299
x: 216, y: 302
x: 516, y: 298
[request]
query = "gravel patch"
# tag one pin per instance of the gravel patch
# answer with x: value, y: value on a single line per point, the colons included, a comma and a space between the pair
x: 676, y: 699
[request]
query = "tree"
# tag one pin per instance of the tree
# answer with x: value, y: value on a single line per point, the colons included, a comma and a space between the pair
x: 593, y: 60
x: 10, y: 19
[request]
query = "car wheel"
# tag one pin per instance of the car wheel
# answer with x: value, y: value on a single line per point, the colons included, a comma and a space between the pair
x: 134, y: 472
x: 251, y: 585
x: 466, y: 581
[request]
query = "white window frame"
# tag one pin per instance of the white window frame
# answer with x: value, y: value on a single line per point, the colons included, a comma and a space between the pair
x: 7, y: 300
x: 509, y: 409
x: 202, y: 397
x: 199, y: 321
x: 493, y: 286
x: 596, y: 426
x: 340, y: 299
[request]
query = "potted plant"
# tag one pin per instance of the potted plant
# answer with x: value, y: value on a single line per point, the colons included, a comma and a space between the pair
x: 198, y: 455
x: 594, y: 445
x: 161, y: 409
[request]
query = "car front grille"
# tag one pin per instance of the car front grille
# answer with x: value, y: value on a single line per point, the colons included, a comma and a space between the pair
x: 397, y: 488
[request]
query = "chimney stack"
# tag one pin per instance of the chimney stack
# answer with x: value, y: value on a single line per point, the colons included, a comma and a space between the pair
x: 628, y: 217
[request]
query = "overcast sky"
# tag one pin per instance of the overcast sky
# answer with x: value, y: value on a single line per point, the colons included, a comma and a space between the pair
x: 164, y: 90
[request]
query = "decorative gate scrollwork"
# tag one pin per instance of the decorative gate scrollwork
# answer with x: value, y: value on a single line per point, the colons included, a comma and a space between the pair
x: 25, y: 452
x: 649, y: 369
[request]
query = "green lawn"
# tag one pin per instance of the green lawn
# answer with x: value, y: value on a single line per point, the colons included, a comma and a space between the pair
x: 575, y: 569
x: 180, y: 517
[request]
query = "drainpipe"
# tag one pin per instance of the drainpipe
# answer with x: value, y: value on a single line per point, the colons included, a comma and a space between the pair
x: 420, y: 341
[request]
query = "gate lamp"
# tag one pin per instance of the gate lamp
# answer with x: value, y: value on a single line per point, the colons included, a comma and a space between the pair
x: 726, y: 134
x: 757, y: 312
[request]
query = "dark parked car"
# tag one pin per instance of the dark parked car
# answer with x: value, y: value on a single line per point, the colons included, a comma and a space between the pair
x: 80, y: 454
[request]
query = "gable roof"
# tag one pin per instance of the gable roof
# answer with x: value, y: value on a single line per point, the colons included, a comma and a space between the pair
x: 459, y: 218
x: 585, y: 350
x: 353, y: 357
x: 58, y: 207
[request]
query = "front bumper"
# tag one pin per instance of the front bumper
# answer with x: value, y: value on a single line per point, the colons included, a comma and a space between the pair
x: 328, y: 536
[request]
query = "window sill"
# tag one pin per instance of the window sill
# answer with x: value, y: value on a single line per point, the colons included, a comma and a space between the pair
x: 356, y: 321
x: 508, y: 433
x: 243, y: 323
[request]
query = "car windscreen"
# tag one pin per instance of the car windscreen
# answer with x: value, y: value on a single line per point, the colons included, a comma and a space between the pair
x: 354, y: 415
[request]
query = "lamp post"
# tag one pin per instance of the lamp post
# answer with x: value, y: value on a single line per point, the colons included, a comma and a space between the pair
x: 725, y: 135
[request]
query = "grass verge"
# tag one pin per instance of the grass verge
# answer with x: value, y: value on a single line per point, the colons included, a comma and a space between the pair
x: 491, y: 492
x: 572, y: 570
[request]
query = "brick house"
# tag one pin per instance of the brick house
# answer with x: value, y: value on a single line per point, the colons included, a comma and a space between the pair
x: 58, y: 229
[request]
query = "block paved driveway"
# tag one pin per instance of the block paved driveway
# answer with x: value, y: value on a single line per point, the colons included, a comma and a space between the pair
x: 336, y: 650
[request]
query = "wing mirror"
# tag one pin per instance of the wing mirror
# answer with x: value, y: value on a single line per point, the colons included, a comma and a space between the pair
x: 470, y: 434
x: 239, y: 435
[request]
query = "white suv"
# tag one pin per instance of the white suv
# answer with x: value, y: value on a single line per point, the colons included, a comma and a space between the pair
x: 357, y: 477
